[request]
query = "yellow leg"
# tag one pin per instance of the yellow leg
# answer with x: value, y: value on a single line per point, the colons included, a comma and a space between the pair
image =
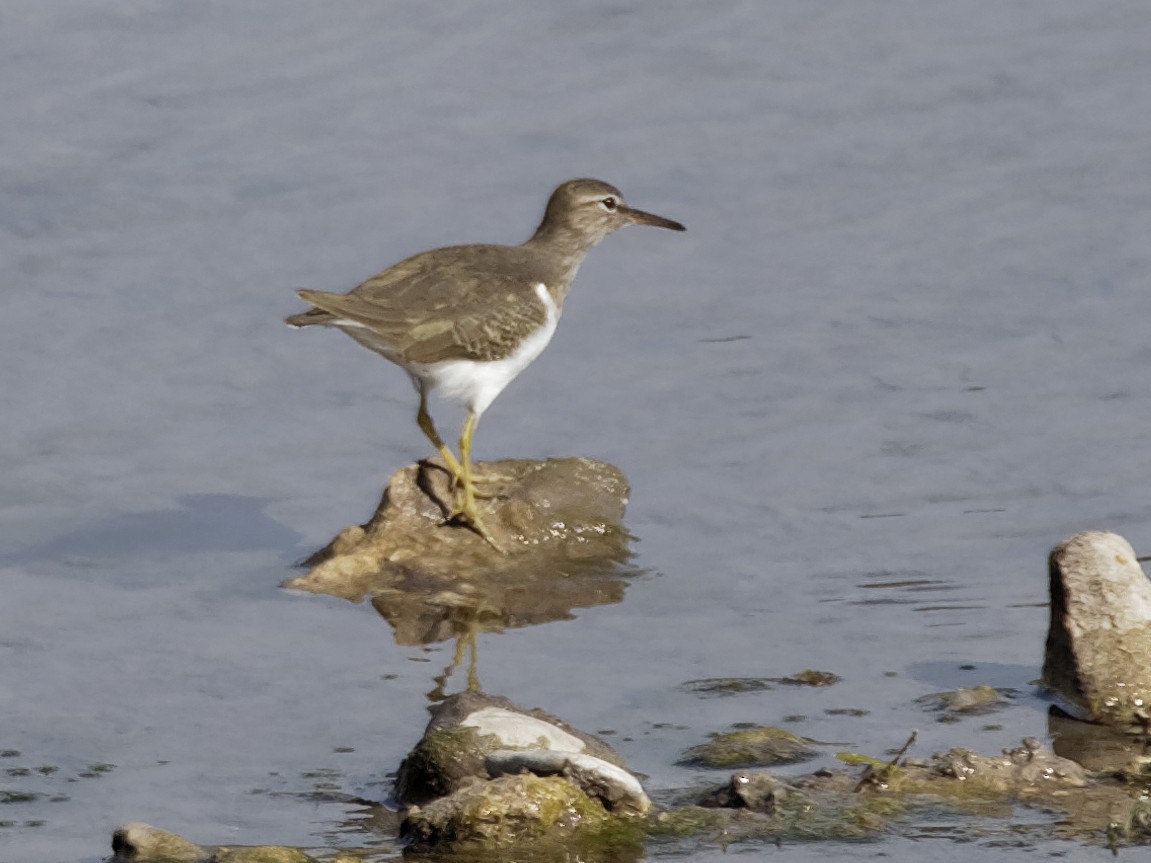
x: 424, y: 419
x: 467, y: 482
x: 460, y: 469
x: 466, y: 503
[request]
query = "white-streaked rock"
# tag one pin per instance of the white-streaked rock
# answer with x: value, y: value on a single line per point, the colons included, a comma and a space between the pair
x: 520, y: 731
x: 1098, y: 656
x: 474, y: 739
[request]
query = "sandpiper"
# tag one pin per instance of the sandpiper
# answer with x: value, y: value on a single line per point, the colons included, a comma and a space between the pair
x: 464, y: 321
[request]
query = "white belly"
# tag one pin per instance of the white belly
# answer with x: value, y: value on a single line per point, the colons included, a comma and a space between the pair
x: 475, y: 385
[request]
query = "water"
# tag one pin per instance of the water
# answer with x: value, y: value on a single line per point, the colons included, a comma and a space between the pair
x: 900, y: 352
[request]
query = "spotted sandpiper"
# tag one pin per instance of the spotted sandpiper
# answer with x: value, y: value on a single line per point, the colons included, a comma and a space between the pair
x: 465, y: 320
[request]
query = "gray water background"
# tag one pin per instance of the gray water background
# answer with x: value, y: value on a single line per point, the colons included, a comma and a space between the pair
x: 901, y: 351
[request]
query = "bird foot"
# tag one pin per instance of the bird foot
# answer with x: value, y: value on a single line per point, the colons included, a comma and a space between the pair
x: 491, y: 482
x: 456, y: 483
x: 463, y: 511
x: 472, y: 521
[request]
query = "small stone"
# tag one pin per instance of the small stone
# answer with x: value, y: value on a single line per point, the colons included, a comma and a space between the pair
x: 142, y: 843
x: 757, y: 791
x: 969, y: 700
x: 811, y: 677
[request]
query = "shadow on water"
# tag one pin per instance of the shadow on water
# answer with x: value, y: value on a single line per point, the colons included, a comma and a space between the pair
x: 953, y: 675
x: 203, y: 523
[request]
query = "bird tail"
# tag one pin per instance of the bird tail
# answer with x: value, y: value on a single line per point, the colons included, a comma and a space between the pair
x: 312, y: 317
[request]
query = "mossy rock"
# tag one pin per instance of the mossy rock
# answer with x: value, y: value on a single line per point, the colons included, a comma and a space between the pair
x: 440, y: 762
x: 762, y: 746
x: 796, y: 819
x: 261, y: 854
x: 508, y: 811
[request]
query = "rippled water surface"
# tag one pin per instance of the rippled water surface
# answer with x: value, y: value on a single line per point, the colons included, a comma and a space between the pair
x: 900, y: 352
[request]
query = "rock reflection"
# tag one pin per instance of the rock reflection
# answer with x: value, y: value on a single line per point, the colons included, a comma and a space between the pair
x: 1098, y: 747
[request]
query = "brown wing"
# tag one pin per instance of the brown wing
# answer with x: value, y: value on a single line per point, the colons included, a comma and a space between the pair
x: 462, y: 302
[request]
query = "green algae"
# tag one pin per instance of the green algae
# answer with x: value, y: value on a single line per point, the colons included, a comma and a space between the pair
x: 759, y: 746
x: 512, y: 810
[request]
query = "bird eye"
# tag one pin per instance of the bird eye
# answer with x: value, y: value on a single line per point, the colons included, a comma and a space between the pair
x: 609, y: 203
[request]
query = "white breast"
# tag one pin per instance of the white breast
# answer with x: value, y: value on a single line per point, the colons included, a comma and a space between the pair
x: 475, y: 385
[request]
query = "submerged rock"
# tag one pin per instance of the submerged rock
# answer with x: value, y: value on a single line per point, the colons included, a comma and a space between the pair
x: 488, y: 771
x: 558, y: 523
x: 968, y: 701
x: 713, y: 687
x: 1098, y: 657
x: 749, y: 747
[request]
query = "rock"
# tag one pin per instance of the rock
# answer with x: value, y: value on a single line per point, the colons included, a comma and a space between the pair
x: 489, y: 774
x: 811, y: 677
x: 142, y: 843
x: 1098, y: 657
x: 1031, y: 768
x: 975, y: 700
x: 473, y: 740
x: 754, y: 806
x: 616, y: 789
x: 757, y: 790
x: 841, y: 804
x: 749, y: 747
x: 503, y: 812
x: 720, y: 687
x: 559, y: 525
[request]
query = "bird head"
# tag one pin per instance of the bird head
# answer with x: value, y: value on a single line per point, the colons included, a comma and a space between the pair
x: 592, y: 209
